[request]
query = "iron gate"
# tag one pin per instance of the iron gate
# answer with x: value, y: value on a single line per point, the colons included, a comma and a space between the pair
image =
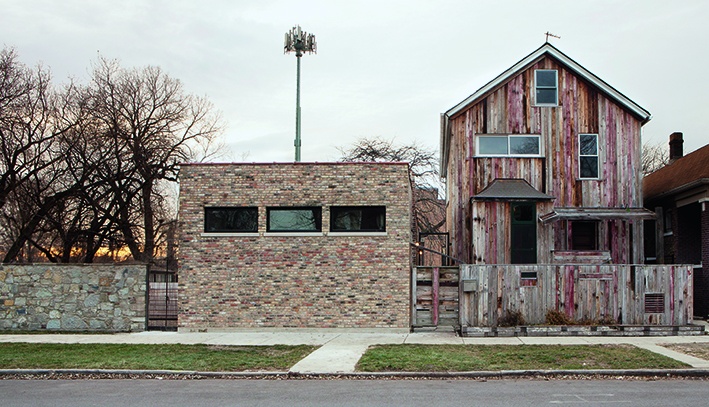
x: 162, y: 301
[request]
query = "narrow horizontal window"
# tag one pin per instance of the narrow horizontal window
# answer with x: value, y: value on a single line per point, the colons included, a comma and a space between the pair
x: 294, y: 219
x: 588, y: 156
x: 230, y: 220
x: 546, y: 87
x: 513, y: 145
x: 358, y: 219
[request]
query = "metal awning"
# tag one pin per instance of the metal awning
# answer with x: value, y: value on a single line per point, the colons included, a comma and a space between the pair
x: 597, y: 214
x: 511, y: 188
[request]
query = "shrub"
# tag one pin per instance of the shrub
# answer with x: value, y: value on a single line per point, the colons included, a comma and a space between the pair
x: 554, y: 317
x: 511, y: 318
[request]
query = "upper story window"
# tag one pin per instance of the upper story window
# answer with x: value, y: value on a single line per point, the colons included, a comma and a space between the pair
x: 294, y: 219
x: 231, y: 220
x: 588, y: 156
x: 546, y: 87
x: 508, y: 145
x: 357, y: 219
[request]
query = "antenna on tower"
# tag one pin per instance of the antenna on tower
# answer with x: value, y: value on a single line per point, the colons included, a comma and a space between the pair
x: 548, y: 34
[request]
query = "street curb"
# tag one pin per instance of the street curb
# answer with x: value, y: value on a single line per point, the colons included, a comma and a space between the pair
x: 501, y: 374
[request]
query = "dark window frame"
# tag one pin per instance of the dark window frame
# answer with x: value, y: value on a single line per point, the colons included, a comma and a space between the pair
x: 209, y: 219
x: 317, y: 219
x: 375, y: 210
x: 579, y: 231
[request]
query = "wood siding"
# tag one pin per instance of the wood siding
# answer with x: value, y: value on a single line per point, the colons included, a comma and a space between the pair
x: 435, y: 296
x: 582, y: 292
x: 509, y: 109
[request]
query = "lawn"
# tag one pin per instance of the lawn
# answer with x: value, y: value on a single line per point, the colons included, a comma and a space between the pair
x: 152, y: 357
x: 461, y: 358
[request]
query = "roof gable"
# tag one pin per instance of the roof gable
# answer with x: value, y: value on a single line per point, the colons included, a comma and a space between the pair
x: 550, y: 50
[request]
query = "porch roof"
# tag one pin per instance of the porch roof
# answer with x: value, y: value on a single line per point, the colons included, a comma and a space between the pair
x: 596, y: 214
x: 511, y: 188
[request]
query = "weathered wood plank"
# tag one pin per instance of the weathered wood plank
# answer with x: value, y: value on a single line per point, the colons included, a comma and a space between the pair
x: 583, y: 292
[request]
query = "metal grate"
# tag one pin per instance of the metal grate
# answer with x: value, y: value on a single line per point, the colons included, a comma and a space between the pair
x: 654, y: 303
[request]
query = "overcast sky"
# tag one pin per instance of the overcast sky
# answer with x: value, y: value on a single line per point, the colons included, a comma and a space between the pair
x: 383, y: 68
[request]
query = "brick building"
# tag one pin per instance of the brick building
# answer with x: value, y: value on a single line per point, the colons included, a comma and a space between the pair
x: 679, y: 194
x: 315, y: 245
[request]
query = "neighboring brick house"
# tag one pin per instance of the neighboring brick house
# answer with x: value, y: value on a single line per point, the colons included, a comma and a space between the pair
x: 318, y: 245
x: 679, y: 194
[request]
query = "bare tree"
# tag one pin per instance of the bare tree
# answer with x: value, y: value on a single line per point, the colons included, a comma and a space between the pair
x: 428, y: 207
x: 151, y: 125
x: 655, y: 156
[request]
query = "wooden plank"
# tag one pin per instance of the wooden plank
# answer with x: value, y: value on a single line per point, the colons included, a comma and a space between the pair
x: 435, y: 288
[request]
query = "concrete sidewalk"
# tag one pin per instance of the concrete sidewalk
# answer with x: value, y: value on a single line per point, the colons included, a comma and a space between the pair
x: 340, y: 350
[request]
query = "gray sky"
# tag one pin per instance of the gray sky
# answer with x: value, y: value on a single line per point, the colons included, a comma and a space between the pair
x: 383, y: 68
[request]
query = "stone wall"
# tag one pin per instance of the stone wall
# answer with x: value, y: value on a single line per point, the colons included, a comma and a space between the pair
x: 72, y: 297
x: 310, y: 280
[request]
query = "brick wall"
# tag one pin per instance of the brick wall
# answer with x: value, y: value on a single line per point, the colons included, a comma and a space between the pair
x: 72, y: 297
x: 701, y: 276
x: 322, y: 280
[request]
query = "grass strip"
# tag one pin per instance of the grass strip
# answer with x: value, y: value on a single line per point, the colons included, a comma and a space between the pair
x: 462, y: 358
x: 208, y: 358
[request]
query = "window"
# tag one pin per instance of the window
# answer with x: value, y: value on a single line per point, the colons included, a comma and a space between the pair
x: 668, y: 221
x: 546, y: 87
x: 508, y: 145
x: 584, y: 235
x: 588, y: 156
x: 294, y: 219
x: 231, y: 220
x: 358, y: 219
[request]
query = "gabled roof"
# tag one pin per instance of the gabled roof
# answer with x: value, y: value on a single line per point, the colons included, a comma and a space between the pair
x: 548, y: 49
x: 687, y: 172
x: 506, y: 188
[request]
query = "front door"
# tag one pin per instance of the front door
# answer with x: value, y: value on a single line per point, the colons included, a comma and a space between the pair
x: 523, y: 233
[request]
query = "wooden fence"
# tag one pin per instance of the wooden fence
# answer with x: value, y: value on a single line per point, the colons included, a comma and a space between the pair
x: 435, y: 296
x: 625, y: 294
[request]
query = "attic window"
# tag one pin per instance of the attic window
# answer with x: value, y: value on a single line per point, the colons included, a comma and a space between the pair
x: 546, y: 87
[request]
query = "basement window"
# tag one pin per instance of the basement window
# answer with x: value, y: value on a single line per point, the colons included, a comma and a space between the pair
x: 358, y: 219
x: 294, y: 219
x: 231, y: 220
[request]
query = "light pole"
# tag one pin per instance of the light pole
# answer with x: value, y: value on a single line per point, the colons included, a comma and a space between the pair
x: 298, y: 41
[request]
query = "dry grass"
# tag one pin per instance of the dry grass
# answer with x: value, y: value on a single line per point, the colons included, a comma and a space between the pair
x: 698, y: 350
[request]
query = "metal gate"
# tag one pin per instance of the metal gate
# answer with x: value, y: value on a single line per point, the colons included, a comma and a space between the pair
x: 162, y: 301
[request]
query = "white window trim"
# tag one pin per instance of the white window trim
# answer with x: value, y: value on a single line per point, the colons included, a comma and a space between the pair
x: 293, y: 234
x: 597, y: 155
x: 356, y: 234
x: 229, y: 234
x: 556, y: 77
x: 508, y: 136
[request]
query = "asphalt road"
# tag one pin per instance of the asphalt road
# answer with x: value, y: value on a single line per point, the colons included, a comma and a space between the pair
x: 197, y: 393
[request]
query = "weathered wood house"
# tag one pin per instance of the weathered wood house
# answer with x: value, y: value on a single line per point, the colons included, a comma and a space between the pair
x: 543, y: 167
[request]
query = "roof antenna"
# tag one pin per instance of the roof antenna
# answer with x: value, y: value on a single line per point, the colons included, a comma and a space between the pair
x: 548, y: 34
